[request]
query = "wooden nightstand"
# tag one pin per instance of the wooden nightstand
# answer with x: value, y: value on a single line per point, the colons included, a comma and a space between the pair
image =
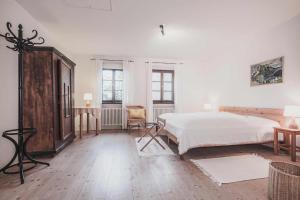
x: 289, y: 143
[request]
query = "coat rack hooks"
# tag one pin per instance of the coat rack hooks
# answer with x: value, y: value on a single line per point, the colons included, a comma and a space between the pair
x: 20, y: 44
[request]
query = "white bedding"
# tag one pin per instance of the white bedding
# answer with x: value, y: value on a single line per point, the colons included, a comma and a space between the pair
x: 217, y: 128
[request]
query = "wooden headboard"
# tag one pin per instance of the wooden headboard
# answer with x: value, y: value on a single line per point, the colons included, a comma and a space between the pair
x: 275, y: 114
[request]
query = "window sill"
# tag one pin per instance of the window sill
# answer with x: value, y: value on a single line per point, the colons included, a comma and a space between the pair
x: 117, y: 103
x: 111, y: 106
x: 163, y: 103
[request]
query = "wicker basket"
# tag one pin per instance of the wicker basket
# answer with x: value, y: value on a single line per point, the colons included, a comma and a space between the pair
x: 284, y: 181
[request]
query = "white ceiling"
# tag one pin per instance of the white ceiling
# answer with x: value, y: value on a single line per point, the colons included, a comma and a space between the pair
x: 194, y: 28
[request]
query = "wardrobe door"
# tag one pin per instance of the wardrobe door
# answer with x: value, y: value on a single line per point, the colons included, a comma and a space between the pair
x: 65, y: 99
x: 38, y: 99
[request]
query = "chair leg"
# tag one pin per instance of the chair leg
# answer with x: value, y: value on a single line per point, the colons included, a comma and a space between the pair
x: 128, y: 129
x: 181, y: 157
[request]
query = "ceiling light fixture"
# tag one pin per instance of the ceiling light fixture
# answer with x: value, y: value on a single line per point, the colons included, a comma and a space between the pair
x: 162, y: 29
x: 101, y: 5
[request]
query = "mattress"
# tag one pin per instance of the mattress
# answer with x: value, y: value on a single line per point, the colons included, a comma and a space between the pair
x: 217, y: 129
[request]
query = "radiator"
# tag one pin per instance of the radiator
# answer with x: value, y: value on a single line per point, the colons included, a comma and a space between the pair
x: 161, y: 110
x: 111, y: 118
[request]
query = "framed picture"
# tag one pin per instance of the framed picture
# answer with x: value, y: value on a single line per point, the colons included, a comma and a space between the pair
x: 268, y: 72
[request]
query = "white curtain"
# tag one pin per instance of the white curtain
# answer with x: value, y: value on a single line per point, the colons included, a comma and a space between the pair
x: 127, y: 90
x: 149, y: 92
x: 98, y: 96
x: 176, y: 87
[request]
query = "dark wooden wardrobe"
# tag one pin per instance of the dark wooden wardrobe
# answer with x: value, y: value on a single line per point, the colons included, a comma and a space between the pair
x: 48, y: 99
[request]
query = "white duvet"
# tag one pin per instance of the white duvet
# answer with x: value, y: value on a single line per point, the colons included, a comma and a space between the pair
x: 217, y: 128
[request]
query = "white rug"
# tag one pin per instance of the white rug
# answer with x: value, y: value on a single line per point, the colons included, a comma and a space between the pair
x: 234, y: 168
x: 153, y: 149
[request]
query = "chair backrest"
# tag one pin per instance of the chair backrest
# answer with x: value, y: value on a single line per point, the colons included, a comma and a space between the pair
x: 135, y: 107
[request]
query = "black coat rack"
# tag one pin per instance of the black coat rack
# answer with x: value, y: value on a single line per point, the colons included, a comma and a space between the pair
x: 20, y: 44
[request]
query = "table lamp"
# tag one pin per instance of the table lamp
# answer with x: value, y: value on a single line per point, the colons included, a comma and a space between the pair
x: 88, y: 97
x: 293, y: 112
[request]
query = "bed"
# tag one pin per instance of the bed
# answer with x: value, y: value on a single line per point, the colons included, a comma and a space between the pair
x: 229, y: 126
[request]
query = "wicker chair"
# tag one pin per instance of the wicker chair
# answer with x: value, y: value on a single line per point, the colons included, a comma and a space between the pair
x: 136, y: 121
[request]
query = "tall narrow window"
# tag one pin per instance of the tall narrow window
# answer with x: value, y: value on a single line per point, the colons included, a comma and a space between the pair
x: 112, y: 86
x: 163, y: 86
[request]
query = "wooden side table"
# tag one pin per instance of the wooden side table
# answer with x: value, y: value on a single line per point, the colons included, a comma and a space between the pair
x: 96, y: 112
x: 289, y: 143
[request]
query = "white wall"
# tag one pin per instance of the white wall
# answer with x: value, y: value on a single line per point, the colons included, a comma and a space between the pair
x: 226, y: 78
x: 12, y: 12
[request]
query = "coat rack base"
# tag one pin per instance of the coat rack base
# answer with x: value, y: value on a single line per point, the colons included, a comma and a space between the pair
x: 21, y: 154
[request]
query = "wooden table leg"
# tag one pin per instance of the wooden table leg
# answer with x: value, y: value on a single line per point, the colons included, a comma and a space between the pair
x: 96, y: 126
x: 288, y: 142
x: 276, y: 143
x: 88, y: 122
x: 80, y: 126
x: 293, y: 147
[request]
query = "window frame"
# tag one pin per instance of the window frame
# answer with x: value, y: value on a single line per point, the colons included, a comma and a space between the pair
x: 162, y: 72
x: 113, y: 101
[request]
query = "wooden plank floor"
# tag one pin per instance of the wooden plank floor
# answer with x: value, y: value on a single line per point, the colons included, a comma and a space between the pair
x: 108, y: 167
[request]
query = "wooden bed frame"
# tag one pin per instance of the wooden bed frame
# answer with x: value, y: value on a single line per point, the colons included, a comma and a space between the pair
x: 268, y: 113
x: 275, y: 114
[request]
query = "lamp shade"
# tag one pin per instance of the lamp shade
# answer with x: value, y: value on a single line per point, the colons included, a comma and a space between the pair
x: 207, y: 106
x: 88, y: 96
x: 291, y: 111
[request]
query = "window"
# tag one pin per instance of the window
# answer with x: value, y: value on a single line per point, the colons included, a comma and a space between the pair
x: 112, y: 86
x: 163, y: 86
